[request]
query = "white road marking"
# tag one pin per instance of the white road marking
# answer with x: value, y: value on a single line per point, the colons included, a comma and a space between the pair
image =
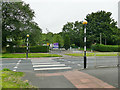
x: 19, y: 61
x: 58, y: 68
x: 48, y: 65
x: 17, y: 65
x: 45, y: 63
x: 41, y: 65
x: 79, y: 65
x: 14, y: 70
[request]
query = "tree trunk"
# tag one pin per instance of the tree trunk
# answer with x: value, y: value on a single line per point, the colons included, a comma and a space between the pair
x: 105, y: 41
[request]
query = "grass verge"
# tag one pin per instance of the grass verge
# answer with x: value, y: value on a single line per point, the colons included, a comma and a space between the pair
x: 93, y: 54
x: 12, y: 79
x: 30, y: 55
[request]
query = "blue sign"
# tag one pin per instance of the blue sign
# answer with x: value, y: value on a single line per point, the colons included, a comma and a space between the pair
x: 55, y: 45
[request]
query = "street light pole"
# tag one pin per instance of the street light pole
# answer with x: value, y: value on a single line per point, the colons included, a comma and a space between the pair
x: 85, y: 59
x: 27, y: 45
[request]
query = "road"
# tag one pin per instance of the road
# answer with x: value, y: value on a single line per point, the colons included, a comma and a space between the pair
x: 62, y: 64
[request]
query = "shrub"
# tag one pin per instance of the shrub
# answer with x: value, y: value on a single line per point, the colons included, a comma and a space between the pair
x: 6, y: 69
x: 32, y: 49
x: 42, y: 49
x: 74, y: 46
x: 105, y: 48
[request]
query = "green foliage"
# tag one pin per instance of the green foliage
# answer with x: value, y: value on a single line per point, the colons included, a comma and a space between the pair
x: 6, y: 69
x: 101, y: 22
x: 47, y: 38
x: 75, y: 32
x: 12, y: 80
x: 17, y: 21
x: 31, y: 49
x: 52, y: 38
x: 16, y: 49
x: 105, y: 48
x: 42, y: 49
x: 58, y: 39
x: 66, y: 42
x: 73, y: 46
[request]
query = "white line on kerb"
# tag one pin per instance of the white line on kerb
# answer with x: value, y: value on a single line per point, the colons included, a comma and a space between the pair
x: 58, y: 68
x: 48, y: 65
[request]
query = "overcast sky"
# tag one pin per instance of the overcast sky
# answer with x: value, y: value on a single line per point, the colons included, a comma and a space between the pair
x: 53, y: 14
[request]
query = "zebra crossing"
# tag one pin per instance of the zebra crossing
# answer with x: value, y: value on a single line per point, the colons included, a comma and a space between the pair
x: 45, y: 64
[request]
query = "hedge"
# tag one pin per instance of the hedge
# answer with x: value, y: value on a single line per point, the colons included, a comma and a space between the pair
x: 32, y: 49
x: 106, y: 48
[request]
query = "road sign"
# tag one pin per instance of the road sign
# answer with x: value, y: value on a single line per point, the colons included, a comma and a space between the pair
x: 55, y: 45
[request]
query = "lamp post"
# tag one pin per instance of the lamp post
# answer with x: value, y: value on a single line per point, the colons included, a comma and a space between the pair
x: 27, y: 45
x: 85, y: 59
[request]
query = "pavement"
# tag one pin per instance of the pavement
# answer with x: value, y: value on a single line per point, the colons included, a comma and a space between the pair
x: 79, y: 79
x: 64, y: 72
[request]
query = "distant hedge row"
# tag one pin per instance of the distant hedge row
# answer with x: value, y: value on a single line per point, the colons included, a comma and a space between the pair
x: 32, y: 49
x: 106, y: 48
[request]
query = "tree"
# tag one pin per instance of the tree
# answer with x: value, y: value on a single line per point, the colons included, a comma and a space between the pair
x: 35, y: 34
x: 57, y: 38
x: 75, y: 32
x: 101, y: 22
x: 67, y: 42
x: 17, y: 21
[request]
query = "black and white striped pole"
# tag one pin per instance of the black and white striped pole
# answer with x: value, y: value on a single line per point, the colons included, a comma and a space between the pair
x: 27, y: 46
x: 85, y: 59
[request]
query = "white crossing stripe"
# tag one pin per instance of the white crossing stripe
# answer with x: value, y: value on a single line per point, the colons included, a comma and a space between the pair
x: 79, y: 64
x: 16, y: 67
x: 58, y: 68
x: 48, y: 65
x: 14, y: 70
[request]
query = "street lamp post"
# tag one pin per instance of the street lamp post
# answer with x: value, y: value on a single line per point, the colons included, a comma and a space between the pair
x: 85, y: 59
x: 27, y: 45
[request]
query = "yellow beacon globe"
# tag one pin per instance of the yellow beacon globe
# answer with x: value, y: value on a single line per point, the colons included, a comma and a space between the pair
x: 85, y: 22
x: 27, y: 35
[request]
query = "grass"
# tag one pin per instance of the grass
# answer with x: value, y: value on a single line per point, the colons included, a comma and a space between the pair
x: 93, y: 54
x: 30, y: 55
x: 12, y: 79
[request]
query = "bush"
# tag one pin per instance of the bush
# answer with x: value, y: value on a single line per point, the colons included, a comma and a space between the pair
x: 6, y: 69
x: 42, y: 49
x: 74, y: 46
x: 105, y: 48
x: 32, y: 49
